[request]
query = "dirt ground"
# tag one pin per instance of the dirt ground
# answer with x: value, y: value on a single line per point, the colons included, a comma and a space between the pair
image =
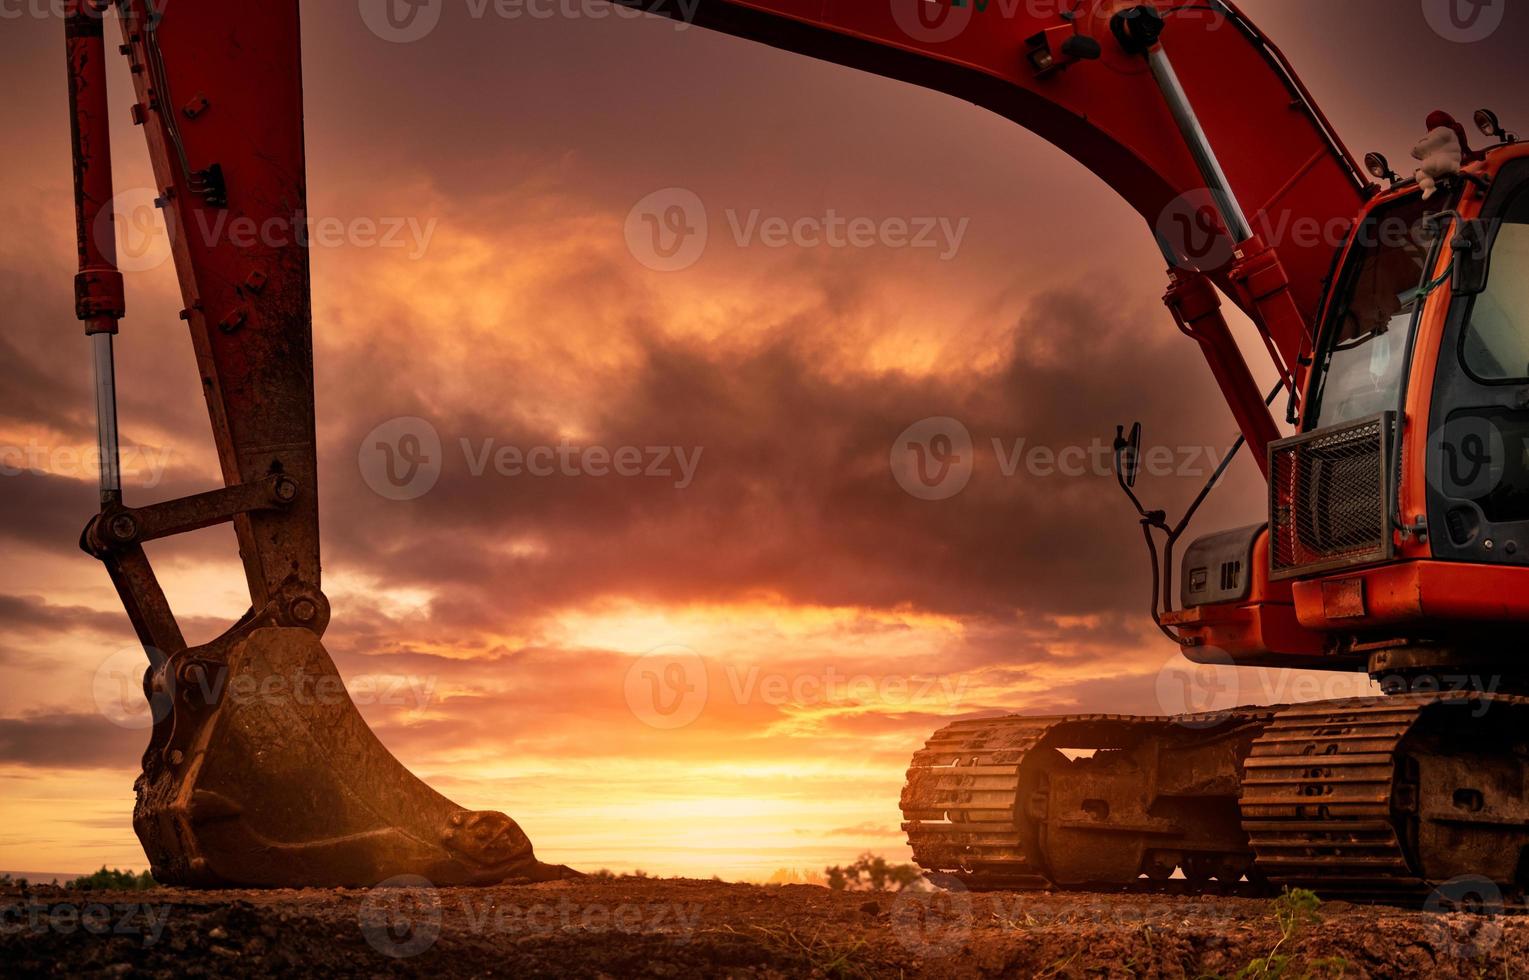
x: 680, y: 928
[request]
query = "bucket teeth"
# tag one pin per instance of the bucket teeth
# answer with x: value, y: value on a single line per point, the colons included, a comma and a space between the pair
x: 267, y: 775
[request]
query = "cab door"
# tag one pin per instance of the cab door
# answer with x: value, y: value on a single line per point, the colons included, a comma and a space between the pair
x: 1478, y: 446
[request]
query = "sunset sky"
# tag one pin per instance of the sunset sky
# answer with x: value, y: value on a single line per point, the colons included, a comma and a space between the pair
x: 503, y: 628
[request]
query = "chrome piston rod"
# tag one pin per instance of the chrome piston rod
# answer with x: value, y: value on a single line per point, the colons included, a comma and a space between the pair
x: 1199, y: 145
x: 106, y: 418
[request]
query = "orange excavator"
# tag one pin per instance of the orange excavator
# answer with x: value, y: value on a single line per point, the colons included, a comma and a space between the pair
x: 1393, y: 310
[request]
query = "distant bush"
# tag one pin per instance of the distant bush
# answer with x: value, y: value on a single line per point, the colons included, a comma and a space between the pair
x: 112, y: 880
x: 871, y: 872
x: 606, y: 874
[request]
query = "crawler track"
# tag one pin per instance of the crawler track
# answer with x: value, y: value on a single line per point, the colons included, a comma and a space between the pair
x: 1318, y: 797
x: 970, y: 789
x: 1397, y: 800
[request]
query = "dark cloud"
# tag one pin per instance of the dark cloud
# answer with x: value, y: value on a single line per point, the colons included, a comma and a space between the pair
x: 46, y: 511
x: 34, y: 614
x: 794, y: 481
x: 69, y: 741
x: 866, y: 830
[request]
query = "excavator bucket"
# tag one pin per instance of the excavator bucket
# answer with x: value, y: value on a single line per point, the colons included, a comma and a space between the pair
x: 262, y: 772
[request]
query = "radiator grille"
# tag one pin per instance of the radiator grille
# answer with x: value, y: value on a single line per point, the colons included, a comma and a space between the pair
x: 1329, y: 498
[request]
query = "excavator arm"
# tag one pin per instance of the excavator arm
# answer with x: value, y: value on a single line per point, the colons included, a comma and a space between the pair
x: 294, y: 790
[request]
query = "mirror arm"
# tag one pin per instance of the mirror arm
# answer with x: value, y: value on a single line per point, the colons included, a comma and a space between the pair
x: 1161, y: 564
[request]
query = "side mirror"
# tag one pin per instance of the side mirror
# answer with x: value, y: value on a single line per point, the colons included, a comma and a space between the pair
x: 1473, y: 257
x: 1128, y: 454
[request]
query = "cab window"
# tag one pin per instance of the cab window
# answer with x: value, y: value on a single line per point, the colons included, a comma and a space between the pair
x: 1365, y: 341
x: 1495, y: 345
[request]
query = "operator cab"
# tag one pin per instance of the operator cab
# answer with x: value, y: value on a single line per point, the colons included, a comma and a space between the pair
x: 1428, y: 321
x: 1399, y: 512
